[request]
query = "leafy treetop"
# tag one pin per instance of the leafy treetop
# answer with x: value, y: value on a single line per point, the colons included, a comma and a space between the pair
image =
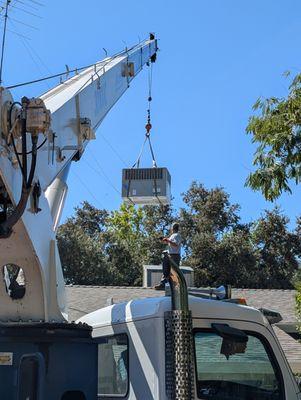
x: 277, y: 131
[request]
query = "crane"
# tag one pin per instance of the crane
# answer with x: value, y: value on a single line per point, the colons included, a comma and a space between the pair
x: 60, y: 124
x: 169, y: 347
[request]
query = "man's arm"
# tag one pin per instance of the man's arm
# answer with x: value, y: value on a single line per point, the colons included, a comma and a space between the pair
x: 171, y: 242
x: 166, y: 240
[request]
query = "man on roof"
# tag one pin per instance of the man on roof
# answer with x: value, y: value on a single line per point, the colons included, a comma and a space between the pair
x: 174, y: 250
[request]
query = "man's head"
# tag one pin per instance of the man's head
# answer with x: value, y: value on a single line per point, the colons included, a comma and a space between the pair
x: 175, y: 227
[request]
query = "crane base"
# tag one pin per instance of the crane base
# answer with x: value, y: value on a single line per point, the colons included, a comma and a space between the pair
x: 47, y: 361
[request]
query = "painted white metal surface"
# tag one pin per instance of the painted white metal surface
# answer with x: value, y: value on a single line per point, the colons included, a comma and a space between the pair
x: 146, y: 356
x: 143, y: 322
x: 91, y: 94
x: 156, y: 307
x: 32, y: 246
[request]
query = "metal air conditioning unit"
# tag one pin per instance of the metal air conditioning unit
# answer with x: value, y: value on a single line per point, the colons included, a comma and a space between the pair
x: 152, y: 275
x: 146, y: 185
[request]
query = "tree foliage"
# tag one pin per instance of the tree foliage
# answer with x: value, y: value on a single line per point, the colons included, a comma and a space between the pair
x: 223, y: 250
x: 102, y: 248
x: 81, y: 244
x: 277, y: 130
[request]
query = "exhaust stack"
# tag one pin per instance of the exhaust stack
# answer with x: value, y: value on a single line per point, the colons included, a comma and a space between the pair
x: 178, y: 337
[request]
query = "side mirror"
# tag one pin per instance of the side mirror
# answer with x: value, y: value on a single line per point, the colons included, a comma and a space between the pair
x: 223, y: 292
x: 234, y: 340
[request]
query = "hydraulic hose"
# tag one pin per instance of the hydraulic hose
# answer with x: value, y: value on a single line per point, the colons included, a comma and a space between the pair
x: 6, y: 226
x: 24, y: 145
x: 34, y: 140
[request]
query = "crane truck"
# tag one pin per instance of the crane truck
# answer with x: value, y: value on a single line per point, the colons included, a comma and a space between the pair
x: 179, y: 346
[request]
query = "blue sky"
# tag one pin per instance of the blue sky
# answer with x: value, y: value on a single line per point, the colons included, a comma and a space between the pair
x: 216, y: 58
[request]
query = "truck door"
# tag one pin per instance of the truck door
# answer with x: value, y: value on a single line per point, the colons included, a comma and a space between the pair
x: 255, y: 371
x: 31, y: 377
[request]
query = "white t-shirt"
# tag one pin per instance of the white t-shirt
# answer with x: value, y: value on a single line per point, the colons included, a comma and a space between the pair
x: 175, y: 238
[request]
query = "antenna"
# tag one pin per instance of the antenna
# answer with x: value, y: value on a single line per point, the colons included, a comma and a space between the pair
x: 3, y: 38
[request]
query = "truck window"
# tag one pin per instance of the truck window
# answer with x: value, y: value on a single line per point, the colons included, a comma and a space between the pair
x: 242, y: 376
x: 113, y: 366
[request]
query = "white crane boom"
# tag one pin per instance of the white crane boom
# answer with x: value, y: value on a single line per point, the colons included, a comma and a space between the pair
x: 85, y: 99
x: 77, y: 107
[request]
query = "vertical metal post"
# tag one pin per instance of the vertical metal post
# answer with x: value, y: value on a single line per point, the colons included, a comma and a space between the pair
x: 3, y: 38
x: 178, y: 336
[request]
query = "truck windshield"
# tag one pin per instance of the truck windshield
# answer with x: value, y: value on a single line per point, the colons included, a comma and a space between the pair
x: 243, y: 376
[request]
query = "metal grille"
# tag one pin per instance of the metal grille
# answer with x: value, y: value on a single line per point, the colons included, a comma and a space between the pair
x: 143, y: 173
x: 179, y: 370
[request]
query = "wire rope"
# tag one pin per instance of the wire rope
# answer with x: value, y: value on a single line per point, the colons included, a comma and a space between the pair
x: 119, y: 54
x: 113, y: 149
x: 105, y: 175
x: 76, y: 70
x: 27, y: 5
x: 31, y: 55
x: 25, y: 11
x: 38, y: 57
x: 101, y: 172
x: 87, y: 188
x: 137, y: 162
x: 38, y: 3
x: 148, y: 127
x: 152, y: 153
x: 24, y: 23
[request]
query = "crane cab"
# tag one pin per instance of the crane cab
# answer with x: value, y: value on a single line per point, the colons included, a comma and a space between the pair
x: 149, y: 186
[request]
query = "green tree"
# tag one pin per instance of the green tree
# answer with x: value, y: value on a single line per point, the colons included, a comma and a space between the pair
x: 262, y: 254
x: 126, y: 223
x: 276, y: 130
x: 215, y: 241
x: 278, y: 248
x: 102, y: 248
x: 81, y: 243
x: 157, y: 221
x: 137, y: 232
x: 125, y: 249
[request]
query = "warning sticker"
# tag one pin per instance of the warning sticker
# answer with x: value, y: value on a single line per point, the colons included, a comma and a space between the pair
x: 6, y: 358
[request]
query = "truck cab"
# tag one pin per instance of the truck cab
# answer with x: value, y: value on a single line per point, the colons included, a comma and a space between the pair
x: 133, y: 361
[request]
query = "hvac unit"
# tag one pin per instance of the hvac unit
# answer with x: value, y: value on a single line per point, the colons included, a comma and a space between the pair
x: 146, y: 185
x: 152, y: 275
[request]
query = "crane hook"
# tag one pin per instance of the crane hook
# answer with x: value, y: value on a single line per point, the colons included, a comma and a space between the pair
x: 148, y: 127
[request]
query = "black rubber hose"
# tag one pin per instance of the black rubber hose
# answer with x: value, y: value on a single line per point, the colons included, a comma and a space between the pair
x: 34, y: 140
x: 12, y: 136
x: 6, y: 226
x: 24, y: 147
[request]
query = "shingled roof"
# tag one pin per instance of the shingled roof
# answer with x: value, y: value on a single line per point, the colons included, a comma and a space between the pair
x: 85, y: 299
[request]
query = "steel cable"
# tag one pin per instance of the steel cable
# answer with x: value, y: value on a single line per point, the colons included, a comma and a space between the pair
x: 75, y: 70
